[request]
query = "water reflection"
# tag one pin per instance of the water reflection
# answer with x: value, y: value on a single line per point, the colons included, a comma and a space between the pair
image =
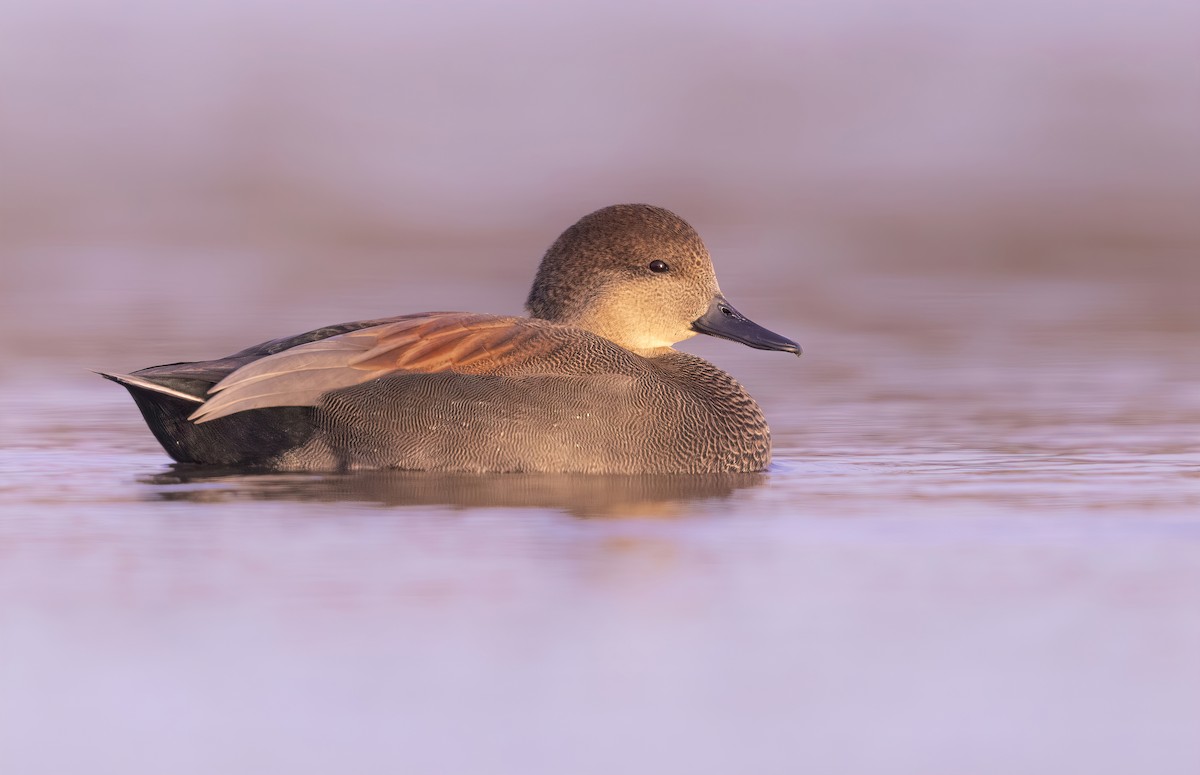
x: 579, y: 494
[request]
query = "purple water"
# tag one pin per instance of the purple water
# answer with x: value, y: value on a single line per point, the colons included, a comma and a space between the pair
x: 978, y: 549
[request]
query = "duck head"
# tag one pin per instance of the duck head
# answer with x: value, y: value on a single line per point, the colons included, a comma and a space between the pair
x: 641, y: 277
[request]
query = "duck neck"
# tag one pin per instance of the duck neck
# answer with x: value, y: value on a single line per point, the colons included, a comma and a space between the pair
x: 621, y: 329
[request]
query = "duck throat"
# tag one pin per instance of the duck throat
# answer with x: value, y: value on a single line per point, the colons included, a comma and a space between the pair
x: 624, y: 327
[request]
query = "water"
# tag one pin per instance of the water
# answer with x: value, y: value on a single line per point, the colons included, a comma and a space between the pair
x: 977, y: 551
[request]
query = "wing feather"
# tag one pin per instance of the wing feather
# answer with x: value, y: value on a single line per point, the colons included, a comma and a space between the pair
x: 461, y: 342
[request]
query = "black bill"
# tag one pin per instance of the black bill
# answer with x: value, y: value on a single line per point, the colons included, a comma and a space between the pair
x: 723, y: 321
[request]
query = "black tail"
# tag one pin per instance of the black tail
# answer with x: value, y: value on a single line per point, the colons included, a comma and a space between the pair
x: 248, y: 438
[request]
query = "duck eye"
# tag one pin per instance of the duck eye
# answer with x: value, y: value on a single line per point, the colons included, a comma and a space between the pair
x: 658, y: 266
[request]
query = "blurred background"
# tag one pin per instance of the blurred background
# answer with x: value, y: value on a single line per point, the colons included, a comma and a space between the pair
x: 242, y: 168
x: 976, y: 552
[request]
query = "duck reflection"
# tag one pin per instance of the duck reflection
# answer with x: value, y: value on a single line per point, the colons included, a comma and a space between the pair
x: 578, y: 494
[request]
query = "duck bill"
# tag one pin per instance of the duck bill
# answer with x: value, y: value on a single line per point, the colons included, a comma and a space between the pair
x: 722, y: 320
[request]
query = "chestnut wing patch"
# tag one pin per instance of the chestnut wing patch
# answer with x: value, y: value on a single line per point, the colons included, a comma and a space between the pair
x: 435, y: 342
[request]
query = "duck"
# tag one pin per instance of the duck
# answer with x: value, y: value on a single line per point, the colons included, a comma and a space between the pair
x: 588, y: 383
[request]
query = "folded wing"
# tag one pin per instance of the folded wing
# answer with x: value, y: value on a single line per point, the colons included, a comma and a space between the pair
x: 450, y: 341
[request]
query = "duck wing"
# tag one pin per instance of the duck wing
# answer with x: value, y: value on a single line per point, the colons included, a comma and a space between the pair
x: 458, y: 342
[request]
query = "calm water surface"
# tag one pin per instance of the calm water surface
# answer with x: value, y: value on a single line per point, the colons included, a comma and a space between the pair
x: 978, y: 550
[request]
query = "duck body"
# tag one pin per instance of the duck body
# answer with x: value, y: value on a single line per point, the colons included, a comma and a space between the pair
x: 586, y: 384
x: 576, y: 403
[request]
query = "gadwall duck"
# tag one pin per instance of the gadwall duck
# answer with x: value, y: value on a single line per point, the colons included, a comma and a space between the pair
x: 587, y: 383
